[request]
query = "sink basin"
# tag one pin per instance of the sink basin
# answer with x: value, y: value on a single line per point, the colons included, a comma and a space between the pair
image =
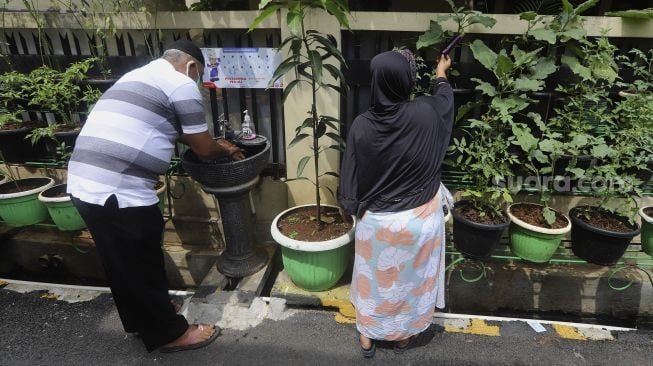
x: 225, y: 173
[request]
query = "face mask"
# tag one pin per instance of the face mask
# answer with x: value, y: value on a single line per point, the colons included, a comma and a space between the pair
x: 198, y: 81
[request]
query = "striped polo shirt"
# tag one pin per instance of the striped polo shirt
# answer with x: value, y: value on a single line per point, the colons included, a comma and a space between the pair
x: 129, y: 137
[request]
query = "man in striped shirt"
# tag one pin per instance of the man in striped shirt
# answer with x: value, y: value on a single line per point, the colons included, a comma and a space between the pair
x: 125, y: 145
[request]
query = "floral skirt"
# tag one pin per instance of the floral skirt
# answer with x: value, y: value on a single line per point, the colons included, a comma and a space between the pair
x: 398, y: 277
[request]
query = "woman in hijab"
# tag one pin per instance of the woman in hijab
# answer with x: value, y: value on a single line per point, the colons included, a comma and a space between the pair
x: 390, y: 179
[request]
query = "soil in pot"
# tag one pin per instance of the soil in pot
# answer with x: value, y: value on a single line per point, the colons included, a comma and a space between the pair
x: 532, y: 214
x: 598, y: 236
x: 475, y: 233
x: 15, y: 187
x: 649, y: 211
x: 472, y: 214
x: 56, y: 192
x: 606, y: 221
x: 300, y: 224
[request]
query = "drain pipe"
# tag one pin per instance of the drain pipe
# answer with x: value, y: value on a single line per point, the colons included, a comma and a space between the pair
x: 46, y: 285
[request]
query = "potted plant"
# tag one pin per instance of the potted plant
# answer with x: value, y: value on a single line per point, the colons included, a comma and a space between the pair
x: 19, y: 204
x: 536, y: 230
x: 13, y: 129
x: 601, y: 233
x: 479, y: 220
x: 314, y: 239
x: 61, y: 94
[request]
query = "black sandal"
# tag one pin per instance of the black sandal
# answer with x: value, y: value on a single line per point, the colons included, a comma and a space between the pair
x: 367, y: 352
x: 397, y: 349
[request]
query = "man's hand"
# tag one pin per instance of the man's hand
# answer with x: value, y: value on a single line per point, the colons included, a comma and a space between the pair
x: 444, y: 63
x: 234, y: 152
x: 208, y: 149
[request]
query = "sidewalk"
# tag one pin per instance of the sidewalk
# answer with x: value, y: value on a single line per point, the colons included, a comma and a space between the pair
x: 37, y: 328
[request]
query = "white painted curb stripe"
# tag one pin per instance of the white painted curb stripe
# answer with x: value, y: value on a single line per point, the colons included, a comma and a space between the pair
x: 504, y: 319
x: 47, y: 285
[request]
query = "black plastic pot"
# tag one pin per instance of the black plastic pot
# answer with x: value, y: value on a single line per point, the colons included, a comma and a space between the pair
x: 16, y: 149
x: 475, y: 240
x: 596, y: 245
x: 67, y: 137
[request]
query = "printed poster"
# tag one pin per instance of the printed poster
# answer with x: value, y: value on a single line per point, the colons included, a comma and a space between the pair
x: 241, y: 67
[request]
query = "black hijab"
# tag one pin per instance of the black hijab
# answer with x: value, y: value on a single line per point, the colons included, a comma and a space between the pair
x: 395, y: 149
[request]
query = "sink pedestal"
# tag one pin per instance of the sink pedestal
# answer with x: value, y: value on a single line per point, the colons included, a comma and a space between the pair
x: 242, y: 257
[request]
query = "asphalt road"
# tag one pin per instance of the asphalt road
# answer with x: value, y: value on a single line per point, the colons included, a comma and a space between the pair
x: 37, y: 330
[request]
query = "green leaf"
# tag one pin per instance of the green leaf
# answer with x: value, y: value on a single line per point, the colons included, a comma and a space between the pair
x: 488, y: 22
x: 545, y: 66
x: 337, y: 147
x: 434, y: 35
x: 336, y: 137
x: 294, y: 19
x: 337, y: 11
x: 577, y: 172
x: 288, y: 89
x: 335, y: 72
x: 297, y: 139
x: 504, y: 65
x: 264, y: 14
x: 574, y: 33
x: 525, y: 138
x: 543, y: 34
x: 549, y: 215
x: 320, y: 129
x: 263, y: 4
x: 601, y: 151
x: 524, y: 84
x: 316, y: 65
x: 283, y: 68
x: 302, y: 165
x: 528, y: 16
x: 580, y: 9
x: 487, y: 89
x: 632, y: 14
x: 483, y: 54
x: 576, y: 67
x: 333, y: 174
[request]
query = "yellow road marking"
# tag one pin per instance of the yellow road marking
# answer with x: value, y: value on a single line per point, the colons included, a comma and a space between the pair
x: 49, y: 296
x: 475, y: 326
x: 568, y: 332
x: 3, y: 284
x: 341, y: 319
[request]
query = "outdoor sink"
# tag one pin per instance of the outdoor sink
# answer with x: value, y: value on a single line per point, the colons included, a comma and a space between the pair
x: 225, y: 173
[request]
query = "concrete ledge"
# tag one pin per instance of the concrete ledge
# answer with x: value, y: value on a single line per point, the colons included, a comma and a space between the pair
x: 516, y: 287
x: 54, y: 256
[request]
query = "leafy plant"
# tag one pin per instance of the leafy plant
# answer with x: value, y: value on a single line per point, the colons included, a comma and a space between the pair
x: 483, y: 155
x: 585, y: 113
x: 463, y: 18
x: 13, y: 96
x: 309, y: 53
x: 60, y: 92
x: 632, y: 14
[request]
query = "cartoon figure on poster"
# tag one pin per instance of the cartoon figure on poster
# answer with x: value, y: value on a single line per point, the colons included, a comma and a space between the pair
x: 213, y: 63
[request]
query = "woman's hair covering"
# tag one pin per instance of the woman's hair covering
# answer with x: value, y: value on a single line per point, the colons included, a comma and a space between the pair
x: 408, y: 55
x: 187, y: 47
x: 391, y: 84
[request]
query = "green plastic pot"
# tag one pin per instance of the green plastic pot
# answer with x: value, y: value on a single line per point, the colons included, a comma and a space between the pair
x: 647, y: 231
x: 61, y: 209
x: 23, y: 208
x: 313, y: 266
x: 534, y: 243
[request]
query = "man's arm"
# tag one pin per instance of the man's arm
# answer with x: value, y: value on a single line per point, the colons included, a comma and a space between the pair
x: 208, y: 149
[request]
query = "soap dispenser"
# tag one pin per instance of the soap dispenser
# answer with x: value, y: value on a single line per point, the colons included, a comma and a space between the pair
x: 247, y: 127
